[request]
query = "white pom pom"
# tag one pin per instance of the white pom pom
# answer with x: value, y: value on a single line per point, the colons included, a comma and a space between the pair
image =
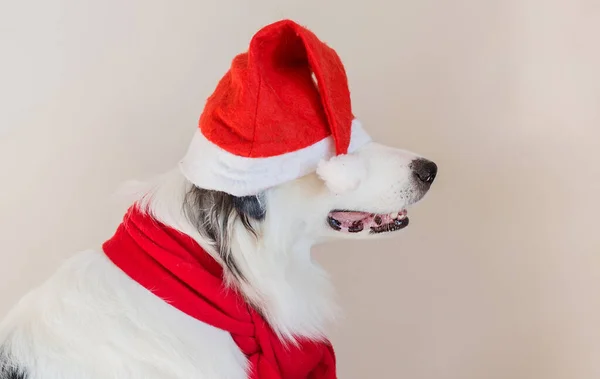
x: 342, y: 173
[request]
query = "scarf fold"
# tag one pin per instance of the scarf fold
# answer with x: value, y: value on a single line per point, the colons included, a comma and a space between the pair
x: 175, y: 268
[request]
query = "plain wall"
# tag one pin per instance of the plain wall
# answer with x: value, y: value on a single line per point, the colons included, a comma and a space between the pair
x: 499, y: 272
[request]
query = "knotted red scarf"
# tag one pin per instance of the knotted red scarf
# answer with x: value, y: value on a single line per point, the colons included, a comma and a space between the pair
x: 174, y: 267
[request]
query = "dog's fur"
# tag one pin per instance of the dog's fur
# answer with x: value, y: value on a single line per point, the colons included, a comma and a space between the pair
x: 91, y: 321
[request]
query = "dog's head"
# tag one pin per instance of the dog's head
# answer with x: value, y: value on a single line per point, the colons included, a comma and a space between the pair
x: 364, y: 194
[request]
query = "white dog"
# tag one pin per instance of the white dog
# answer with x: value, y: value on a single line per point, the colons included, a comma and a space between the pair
x: 93, y: 320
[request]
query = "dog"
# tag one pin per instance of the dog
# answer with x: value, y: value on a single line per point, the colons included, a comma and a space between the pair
x: 91, y: 320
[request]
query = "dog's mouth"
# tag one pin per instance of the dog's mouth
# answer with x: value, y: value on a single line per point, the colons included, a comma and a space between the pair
x: 355, y: 221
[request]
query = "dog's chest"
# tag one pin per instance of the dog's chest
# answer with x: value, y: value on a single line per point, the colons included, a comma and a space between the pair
x: 90, y: 321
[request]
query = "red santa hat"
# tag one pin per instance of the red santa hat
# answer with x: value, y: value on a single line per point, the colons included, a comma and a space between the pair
x: 269, y: 121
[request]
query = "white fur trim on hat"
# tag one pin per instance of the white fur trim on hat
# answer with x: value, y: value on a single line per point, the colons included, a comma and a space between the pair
x: 208, y: 166
x: 342, y: 173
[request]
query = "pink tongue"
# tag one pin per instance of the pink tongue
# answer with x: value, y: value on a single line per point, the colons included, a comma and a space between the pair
x: 349, y: 217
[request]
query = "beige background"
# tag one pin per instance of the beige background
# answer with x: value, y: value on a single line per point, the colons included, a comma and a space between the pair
x: 498, y: 275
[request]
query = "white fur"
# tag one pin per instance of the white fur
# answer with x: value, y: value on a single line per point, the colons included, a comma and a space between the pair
x: 90, y: 321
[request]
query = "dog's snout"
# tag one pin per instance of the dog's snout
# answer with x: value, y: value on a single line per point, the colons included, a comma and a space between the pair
x: 424, y: 170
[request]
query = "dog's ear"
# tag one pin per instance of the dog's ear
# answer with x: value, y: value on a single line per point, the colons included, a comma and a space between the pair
x: 251, y: 206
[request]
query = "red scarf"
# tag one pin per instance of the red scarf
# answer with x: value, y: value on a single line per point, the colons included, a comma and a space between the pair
x: 174, y: 267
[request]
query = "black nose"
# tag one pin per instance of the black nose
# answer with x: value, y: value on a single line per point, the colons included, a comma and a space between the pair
x: 424, y: 170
